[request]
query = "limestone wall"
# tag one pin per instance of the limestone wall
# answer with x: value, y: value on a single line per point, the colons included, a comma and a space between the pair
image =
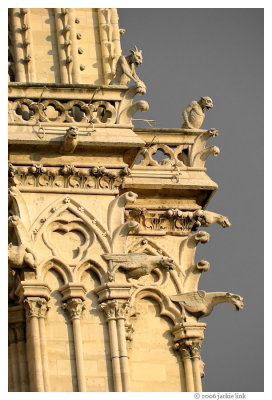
x: 57, y: 45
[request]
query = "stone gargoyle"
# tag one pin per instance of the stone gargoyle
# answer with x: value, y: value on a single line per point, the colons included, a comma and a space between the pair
x: 69, y: 141
x: 200, y: 304
x: 20, y: 257
x: 135, y: 265
x: 125, y: 70
x: 206, y: 218
x: 194, y: 115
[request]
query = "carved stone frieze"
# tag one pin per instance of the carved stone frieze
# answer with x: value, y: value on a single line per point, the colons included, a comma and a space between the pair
x: 173, y: 221
x: 66, y: 177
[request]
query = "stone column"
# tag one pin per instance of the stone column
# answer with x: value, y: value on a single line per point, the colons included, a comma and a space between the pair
x: 74, y: 302
x: 32, y: 306
x: 75, y: 306
x: 109, y: 311
x: 195, y: 351
x: 121, y: 312
x: 21, y: 353
x: 15, y: 377
x: 190, y: 354
x: 17, y: 351
x: 114, y: 302
x: 42, y: 315
x: 34, y: 295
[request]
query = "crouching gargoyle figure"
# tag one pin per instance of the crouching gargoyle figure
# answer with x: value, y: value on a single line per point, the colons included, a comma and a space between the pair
x: 135, y: 265
x: 69, y: 141
x: 21, y: 256
x: 125, y: 70
x: 194, y: 115
x: 200, y: 304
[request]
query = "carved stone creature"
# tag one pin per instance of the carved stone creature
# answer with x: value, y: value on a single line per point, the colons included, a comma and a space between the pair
x: 136, y: 265
x: 21, y: 256
x: 206, y: 218
x: 196, y: 113
x: 125, y: 70
x: 201, y: 304
x: 69, y: 141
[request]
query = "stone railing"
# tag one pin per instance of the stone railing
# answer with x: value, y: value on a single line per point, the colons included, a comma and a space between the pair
x: 79, y: 105
x: 174, y: 148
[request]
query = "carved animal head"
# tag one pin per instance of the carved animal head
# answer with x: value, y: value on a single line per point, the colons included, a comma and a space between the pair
x: 136, y: 56
x: 71, y: 133
x: 224, y: 221
x: 167, y: 263
x: 236, y: 301
x: 206, y: 102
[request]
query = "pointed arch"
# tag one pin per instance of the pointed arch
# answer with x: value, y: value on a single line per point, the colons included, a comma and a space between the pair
x: 166, y: 307
x: 56, y: 264
x: 54, y: 210
x: 92, y: 265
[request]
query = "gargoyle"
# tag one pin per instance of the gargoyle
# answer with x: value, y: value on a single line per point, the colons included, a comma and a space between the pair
x: 125, y: 70
x: 200, y: 304
x: 20, y: 257
x: 135, y: 265
x: 196, y: 113
x: 69, y: 141
x: 206, y: 218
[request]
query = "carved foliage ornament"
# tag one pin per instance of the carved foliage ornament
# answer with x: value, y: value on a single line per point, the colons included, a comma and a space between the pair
x: 173, y: 221
x: 67, y: 176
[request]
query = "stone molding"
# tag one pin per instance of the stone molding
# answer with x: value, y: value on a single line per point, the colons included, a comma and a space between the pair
x: 66, y: 177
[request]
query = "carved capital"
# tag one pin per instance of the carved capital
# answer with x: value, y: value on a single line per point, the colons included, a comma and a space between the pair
x: 74, y: 306
x: 122, y: 310
x: 35, y: 307
x: 108, y: 309
x: 189, y: 348
x: 115, y: 310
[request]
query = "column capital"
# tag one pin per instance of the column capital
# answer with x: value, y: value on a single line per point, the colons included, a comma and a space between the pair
x: 189, y: 348
x: 74, y: 306
x: 115, y: 309
x: 36, y: 307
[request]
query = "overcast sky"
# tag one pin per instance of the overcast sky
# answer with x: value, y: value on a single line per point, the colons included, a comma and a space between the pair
x: 188, y: 53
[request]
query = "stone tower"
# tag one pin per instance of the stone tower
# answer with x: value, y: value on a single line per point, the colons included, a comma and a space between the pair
x: 103, y: 281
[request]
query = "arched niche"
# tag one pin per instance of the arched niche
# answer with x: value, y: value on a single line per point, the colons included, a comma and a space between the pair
x: 59, y: 336
x: 96, y: 348
x: 154, y: 365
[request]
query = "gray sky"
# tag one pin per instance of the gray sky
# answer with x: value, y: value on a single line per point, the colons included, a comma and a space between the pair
x: 190, y: 53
